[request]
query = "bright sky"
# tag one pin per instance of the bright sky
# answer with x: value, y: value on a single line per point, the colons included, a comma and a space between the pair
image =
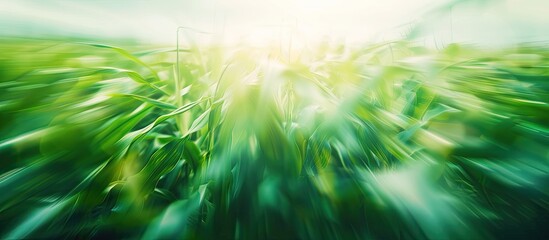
x: 484, y: 21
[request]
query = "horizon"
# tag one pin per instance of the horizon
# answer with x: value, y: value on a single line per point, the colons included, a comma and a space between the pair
x: 264, y: 22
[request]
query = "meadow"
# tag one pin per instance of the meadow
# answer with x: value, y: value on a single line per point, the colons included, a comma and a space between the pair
x: 391, y: 140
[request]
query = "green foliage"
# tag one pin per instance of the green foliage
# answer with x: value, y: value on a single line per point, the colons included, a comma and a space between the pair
x: 386, y: 141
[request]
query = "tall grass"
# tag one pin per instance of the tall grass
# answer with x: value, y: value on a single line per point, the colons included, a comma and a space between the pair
x: 383, y: 141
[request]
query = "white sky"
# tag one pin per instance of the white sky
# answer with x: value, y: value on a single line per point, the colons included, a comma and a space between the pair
x: 478, y: 21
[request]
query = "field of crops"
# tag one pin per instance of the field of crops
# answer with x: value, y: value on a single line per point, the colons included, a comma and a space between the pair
x: 386, y: 141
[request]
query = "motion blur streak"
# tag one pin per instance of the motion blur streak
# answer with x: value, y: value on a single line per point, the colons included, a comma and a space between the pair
x: 118, y: 139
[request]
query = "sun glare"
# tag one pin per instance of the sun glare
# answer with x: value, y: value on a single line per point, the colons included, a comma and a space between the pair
x: 274, y: 119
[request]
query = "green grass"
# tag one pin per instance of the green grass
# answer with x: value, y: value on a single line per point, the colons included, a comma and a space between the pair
x: 382, y: 141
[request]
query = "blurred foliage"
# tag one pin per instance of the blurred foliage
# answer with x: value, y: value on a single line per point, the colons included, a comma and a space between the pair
x: 383, y: 141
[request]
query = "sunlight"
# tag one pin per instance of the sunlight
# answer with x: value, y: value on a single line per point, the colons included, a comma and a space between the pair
x: 273, y: 119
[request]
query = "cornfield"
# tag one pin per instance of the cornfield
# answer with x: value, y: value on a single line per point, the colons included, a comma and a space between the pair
x: 392, y: 140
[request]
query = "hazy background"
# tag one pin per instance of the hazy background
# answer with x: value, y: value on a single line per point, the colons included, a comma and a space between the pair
x: 486, y: 22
